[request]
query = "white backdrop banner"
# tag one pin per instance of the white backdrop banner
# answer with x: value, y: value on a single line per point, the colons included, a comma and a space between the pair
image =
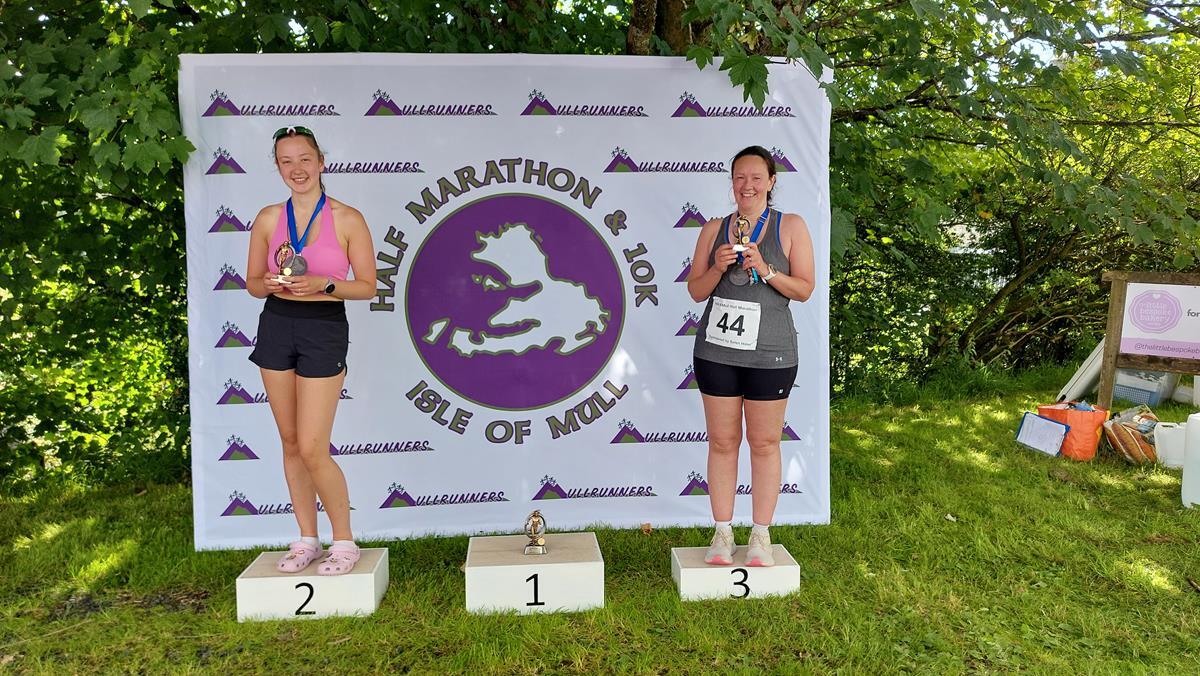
x: 530, y: 345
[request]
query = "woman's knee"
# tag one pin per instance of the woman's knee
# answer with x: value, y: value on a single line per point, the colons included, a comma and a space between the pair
x: 763, y: 445
x: 724, y: 444
x: 313, y: 455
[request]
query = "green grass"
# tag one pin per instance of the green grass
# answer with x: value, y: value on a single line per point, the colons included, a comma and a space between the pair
x: 951, y: 549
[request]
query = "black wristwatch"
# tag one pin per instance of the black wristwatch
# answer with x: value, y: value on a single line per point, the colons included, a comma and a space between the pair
x: 329, y: 286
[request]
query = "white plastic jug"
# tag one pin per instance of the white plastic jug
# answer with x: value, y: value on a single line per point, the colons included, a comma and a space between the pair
x: 1191, y: 462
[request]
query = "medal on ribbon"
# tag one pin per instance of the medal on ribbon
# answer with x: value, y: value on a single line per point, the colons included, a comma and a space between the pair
x: 293, y: 264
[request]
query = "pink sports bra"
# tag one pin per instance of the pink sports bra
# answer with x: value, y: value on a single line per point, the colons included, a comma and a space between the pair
x: 324, y: 256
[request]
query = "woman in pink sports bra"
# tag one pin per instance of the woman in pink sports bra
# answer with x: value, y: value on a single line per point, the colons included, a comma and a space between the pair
x: 300, y: 253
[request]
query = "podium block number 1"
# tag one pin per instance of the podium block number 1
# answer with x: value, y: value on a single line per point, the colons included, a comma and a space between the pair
x: 536, y: 601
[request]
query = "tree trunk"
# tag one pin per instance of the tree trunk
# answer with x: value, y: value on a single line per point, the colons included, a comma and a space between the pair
x: 641, y: 27
x: 670, y: 27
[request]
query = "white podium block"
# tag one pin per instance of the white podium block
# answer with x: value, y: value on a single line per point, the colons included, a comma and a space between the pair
x: 567, y: 578
x: 264, y: 593
x: 697, y: 580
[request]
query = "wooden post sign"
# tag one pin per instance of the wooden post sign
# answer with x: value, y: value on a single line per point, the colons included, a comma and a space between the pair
x: 1153, y: 324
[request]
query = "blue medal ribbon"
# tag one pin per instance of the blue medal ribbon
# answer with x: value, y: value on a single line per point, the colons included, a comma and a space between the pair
x: 299, y: 242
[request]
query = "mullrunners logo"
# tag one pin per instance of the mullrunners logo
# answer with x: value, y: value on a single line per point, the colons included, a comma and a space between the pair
x: 551, y: 490
x: 782, y: 163
x: 697, y: 485
x: 629, y: 434
x: 690, y: 107
x: 540, y: 105
x: 222, y: 105
x: 381, y: 447
x: 233, y: 337
x: 375, y: 167
x: 384, y: 106
x: 223, y: 163
x: 237, y: 450
x: 230, y: 280
x: 227, y: 222
x: 691, y: 218
x: 687, y: 270
x: 689, y: 379
x: 622, y: 163
x: 235, y: 394
x: 690, y: 326
x: 240, y: 506
x: 398, y: 496
x: 539, y: 298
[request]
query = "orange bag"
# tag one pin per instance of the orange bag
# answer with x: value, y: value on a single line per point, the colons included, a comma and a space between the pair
x: 1086, y: 427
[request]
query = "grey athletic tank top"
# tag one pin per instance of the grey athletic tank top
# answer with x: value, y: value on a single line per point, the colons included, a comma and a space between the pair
x: 776, y: 332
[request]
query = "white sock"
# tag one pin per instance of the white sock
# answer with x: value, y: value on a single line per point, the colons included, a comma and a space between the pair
x: 724, y: 525
x: 345, y: 543
x: 311, y: 541
x: 760, y: 529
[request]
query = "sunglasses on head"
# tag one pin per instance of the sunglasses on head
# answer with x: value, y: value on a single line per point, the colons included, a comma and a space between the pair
x: 293, y: 131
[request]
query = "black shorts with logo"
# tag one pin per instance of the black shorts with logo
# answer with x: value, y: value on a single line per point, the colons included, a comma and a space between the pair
x: 311, y: 337
x: 723, y: 380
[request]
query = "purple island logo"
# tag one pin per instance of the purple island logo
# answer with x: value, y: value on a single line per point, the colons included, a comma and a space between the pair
x: 687, y: 270
x: 539, y: 302
x: 398, y: 496
x: 223, y: 163
x: 234, y: 394
x: 233, y: 337
x: 540, y: 105
x: 690, y: 326
x: 691, y: 218
x: 237, y: 450
x: 230, y: 280
x: 1155, y: 311
x: 227, y: 222
x: 690, y: 107
x: 689, y: 379
x: 622, y: 163
x: 240, y: 506
x: 384, y: 106
x: 696, y: 485
x: 222, y: 105
x: 782, y: 164
x: 551, y: 490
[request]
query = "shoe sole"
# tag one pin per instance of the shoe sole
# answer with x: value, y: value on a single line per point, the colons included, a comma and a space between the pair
x: 719, y: 562
x: 756, y: 563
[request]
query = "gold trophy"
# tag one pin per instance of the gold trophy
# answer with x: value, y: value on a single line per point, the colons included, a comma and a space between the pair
x: 535, y: 529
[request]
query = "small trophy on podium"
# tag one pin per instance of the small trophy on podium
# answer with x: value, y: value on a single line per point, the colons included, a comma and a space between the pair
x: 535, y: 529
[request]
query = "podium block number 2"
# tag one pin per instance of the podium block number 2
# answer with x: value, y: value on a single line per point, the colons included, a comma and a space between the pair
x: 301, y: 610
x: 536, y: 601
x: 741, y: 583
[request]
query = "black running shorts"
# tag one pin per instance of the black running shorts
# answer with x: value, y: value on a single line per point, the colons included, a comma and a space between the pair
x: 311, y: 337
x: 722, y: 380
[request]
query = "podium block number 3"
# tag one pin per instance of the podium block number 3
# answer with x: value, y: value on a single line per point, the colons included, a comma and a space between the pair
x: 741, y: 583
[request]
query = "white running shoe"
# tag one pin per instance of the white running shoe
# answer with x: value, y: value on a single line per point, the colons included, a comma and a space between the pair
x: 760, y: 552
x: 720, y: 552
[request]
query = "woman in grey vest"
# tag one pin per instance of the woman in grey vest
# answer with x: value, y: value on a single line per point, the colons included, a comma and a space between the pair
x: 748, y: 267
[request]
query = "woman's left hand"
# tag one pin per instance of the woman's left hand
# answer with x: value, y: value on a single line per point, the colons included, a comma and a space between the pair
x: 752, y: 260
x: 306, y: 285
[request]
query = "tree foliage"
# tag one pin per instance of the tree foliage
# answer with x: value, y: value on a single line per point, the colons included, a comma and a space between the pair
x: 989, y: 160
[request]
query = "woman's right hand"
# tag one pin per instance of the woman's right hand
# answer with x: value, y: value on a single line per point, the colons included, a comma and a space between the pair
x: 724, y: 257
x: 271, y: 282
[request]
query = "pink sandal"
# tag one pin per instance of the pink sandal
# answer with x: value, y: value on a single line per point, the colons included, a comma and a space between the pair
x: 340, y: 561
x: 300, y: 555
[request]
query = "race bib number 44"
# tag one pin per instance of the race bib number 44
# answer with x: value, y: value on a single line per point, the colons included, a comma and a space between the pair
x: 733, y: 323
